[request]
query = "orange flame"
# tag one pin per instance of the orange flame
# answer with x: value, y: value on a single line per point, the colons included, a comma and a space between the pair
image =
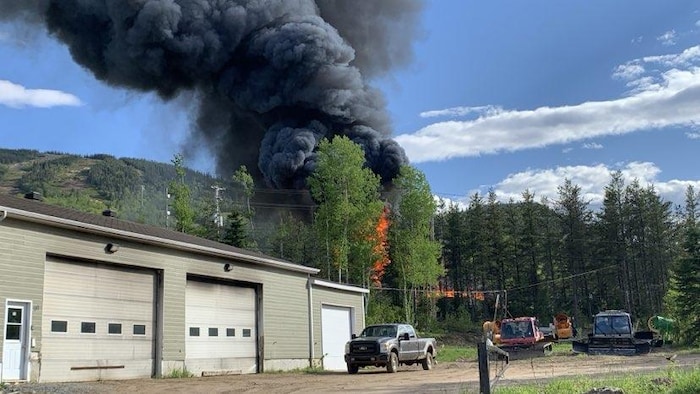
x: 380, y: 248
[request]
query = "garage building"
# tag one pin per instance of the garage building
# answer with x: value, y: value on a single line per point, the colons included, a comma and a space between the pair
x: 91, y: 297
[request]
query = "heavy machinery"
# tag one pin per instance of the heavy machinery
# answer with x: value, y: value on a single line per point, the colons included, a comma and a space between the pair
x: 523, y: 335
x: 563, y: 329
x: 492, y: 330
x: 662, y: 327
x: 613, y: 334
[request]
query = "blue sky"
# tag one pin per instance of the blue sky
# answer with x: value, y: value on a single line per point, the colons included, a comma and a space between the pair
x: 502, y: 95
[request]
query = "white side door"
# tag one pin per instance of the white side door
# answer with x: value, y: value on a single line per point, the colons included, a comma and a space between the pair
x: 14, y: 354
x: 335, y: 332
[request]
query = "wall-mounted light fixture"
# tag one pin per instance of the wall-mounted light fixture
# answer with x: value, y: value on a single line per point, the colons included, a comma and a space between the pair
x: 111, y: 248
x: 227, y: 267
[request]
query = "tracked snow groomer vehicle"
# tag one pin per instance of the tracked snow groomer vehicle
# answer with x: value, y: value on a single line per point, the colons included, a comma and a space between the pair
x: 613, y: 334
x: 522, y: 335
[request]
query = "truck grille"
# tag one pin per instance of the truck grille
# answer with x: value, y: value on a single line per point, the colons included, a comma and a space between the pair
x: 364, y: 348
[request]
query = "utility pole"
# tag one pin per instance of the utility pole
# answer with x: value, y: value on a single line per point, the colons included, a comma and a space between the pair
x: 167, y: 208
x: 218, y: 219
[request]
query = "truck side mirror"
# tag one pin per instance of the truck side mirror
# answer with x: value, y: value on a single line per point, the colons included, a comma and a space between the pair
x: 405, y: 336
x: 353, y: 336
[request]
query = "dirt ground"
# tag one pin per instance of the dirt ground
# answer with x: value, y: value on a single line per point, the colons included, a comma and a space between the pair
x: 452, y: 377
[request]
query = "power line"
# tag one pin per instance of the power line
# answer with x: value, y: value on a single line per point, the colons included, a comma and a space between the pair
x: 563, y: 278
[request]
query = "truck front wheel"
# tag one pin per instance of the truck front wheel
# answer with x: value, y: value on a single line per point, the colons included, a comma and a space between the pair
x: 393, y: 364
x: 428, y: 362
x: 353, y: 368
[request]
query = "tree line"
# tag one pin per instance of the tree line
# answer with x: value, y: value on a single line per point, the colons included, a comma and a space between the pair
x: 441, y: 263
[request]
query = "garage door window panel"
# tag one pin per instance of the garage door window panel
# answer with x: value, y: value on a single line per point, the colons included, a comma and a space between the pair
x: 230, y: 332
x: 194, y: 331
x: 59, y: 326
x: 213, y: 332
x: 87, y: 327
x: 114, y: 328
x: 139, y: 329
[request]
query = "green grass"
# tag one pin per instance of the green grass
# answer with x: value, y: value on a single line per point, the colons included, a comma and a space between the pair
x: 450, y: 353
x: 179, y: 374
x: 672, y: 381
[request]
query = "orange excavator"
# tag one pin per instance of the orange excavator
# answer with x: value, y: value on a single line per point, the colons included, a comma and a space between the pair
x: 563, y: 329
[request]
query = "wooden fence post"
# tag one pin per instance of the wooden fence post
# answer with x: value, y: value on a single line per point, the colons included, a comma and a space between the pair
x: 483, y: 356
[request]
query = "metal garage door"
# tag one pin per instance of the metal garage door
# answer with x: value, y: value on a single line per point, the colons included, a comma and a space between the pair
x: 220, y: 328
x: 97, y: 322
x: 335, y: 332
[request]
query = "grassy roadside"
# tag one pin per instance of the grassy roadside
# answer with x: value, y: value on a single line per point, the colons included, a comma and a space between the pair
x: 672, y: 381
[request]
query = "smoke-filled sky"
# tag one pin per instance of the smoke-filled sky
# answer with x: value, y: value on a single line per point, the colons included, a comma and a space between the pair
x: 504, y: 95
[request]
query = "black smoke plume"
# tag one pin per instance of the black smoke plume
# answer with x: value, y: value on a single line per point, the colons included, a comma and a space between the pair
x: 271, y: 78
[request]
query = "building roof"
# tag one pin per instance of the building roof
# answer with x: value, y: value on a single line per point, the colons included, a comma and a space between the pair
x: 37, y: 211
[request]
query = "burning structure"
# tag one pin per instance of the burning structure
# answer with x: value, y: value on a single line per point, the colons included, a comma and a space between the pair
x: 271, y: 78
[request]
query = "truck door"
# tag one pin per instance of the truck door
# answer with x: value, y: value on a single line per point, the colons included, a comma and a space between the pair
x: 411, y: 346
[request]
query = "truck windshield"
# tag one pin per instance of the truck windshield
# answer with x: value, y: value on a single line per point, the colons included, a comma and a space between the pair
x: 379, y: 331
x: 606, y: 325
x: 513, y: 329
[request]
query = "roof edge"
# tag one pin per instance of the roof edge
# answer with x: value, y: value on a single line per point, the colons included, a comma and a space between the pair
x: 151, y: 240
x: 338, y: 286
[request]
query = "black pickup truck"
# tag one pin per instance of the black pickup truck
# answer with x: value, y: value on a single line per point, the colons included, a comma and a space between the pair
x: 389, y: 345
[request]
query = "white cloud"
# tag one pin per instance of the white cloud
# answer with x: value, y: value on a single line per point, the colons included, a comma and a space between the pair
x: 592, y: 145
x: 17, y: 96
x: 668, y: 38
x: 487, y: 110
x: 591, y: 179
x: 693, y: 135
x: 670, y: 98
x: 628, y: 71
x: 689, y: 56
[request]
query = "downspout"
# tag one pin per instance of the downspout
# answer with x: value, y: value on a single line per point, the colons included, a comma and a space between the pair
x: 4, y: 215
x: 311, y: 320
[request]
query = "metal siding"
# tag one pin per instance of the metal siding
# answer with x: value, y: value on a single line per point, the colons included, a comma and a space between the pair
x: 328, y: 296
x: 285, y: 314
x: 21, y: 271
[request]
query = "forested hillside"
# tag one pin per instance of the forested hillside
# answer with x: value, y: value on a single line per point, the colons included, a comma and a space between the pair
x: 135, y: 188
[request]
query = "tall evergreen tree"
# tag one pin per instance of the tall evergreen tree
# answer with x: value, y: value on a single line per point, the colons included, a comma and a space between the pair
x: 529, y: 239
x: 611, y: 249
x: 575, y: 218
x: 685, y: 285
x: 649, y: 237
x: 235, y: 233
